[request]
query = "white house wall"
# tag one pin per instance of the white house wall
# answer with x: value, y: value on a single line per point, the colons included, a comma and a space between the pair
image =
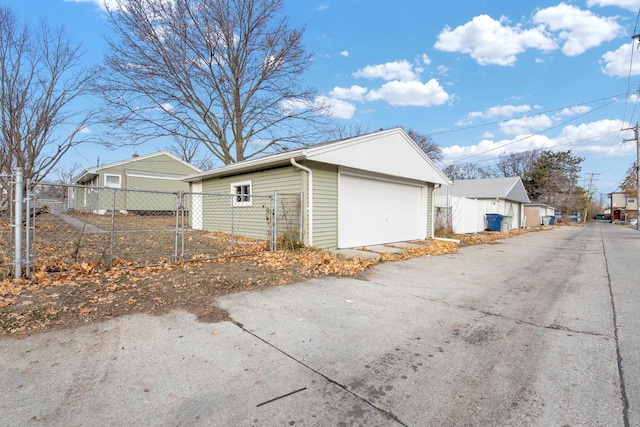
x: 469, y: 215
x: 372, y: 153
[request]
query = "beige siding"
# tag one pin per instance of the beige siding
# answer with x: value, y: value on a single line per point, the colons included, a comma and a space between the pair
x: 285, y: 180
x: 325, y: 204
x: 157, y: 184
x: 159, y: 164
x: 250, y: 221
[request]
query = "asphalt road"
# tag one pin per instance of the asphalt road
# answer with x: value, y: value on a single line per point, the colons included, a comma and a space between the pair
x: 537, y: 330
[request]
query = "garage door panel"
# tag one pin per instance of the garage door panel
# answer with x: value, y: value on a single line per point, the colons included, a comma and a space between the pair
x: 375, y: 212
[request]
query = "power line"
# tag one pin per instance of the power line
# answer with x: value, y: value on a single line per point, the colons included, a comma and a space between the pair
x: 534, y: 134
x: 613, y: 98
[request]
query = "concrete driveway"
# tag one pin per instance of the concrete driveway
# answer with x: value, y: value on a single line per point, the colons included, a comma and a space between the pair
x: 540, y: 329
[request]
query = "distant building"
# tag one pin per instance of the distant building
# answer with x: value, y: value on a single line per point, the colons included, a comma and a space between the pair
x: 623, y: 207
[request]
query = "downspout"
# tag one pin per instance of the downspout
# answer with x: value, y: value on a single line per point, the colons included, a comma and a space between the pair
x: 310, y: 214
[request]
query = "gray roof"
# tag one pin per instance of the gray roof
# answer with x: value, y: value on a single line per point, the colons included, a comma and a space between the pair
x: 510, y: 188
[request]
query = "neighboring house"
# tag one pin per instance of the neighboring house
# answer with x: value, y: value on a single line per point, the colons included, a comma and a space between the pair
x: 367, y: 190
x: 161, y: 171
x: 534, y: 212
x: 469, y: 201
x: 623, y: 207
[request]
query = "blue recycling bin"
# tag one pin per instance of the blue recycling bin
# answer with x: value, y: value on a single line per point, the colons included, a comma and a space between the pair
x: 494, y: 222
x: 552, y: 220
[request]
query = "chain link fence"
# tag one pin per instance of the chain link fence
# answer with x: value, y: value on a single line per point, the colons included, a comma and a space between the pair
x: 6, y: 229
x: 81, y: 227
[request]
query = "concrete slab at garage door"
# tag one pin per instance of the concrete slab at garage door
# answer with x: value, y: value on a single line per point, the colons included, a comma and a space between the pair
x: 372, y: 211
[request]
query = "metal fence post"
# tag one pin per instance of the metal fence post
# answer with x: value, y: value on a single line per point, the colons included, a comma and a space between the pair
x: 27, y: 229
x: 232, y: 221
x: 112, y: 238
x: 183, y: 213
x: 176, y: 205
x: 301, y: 218
x: 274, y: 212
x: 18, y: 222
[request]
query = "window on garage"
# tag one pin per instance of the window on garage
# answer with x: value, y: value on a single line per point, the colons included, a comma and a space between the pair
x: 242, y: 193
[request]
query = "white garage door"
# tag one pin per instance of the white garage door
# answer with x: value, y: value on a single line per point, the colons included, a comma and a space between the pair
x: 373, y: 212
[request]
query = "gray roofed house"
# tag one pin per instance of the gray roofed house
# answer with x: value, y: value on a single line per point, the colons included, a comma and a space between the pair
x: 471, y: 199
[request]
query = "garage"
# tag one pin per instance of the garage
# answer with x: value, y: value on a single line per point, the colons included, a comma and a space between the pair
x: 373, y: 211
x: 366, y: 190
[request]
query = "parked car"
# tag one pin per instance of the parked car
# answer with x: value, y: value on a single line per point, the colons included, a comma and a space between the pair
x: 575, y: 217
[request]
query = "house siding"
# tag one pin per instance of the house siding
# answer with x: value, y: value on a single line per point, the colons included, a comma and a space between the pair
x: 325, y: 204
x: 430, y: 190
x: 102, y: 199
x: 250, y: 221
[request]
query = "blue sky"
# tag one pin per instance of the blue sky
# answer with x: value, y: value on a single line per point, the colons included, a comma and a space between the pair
x: 482, y: 77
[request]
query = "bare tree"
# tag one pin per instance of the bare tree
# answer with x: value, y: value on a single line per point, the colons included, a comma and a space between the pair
x: 222, y: 72
x: 427, y: 144
x: 344, y: 131
x: 630, y: 184
x: 41, y: 78
x: 66, y: 173
x: 468, y: 171
x: 517, y: 164
x: 188, y: 150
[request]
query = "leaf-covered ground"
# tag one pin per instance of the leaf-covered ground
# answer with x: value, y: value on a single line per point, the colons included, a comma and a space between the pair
x: 87, y: 294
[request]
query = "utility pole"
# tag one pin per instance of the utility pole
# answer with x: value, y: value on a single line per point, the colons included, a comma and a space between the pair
x: 590, y: 193
x: 636, y: 131
x: 637, y: 135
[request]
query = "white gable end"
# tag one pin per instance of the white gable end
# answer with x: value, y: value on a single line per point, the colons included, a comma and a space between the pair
x: 386, y: 152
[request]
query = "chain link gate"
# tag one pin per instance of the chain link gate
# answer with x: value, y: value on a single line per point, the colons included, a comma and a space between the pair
x: 71, y: 227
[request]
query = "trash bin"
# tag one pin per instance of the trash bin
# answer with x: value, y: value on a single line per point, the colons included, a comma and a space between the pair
x: 505, y: 227
x: 552, y: 220
x: 546, y: 220
x: 494, y: 221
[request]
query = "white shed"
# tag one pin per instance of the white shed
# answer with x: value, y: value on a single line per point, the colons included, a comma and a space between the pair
x: 469, y: 201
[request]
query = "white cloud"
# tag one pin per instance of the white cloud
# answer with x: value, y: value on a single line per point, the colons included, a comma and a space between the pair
x: 443, y: 70
x: 594, y: 137
x: 425, y: 59
x: 354, y: 93
x: 571, y: 111
x: 616, y: 63
x: 413, y: 93
x: 337, y: 108
x: 331, y: 107
x: 526, y: 125
x: 596, y: 131
x: 580, y: 29
x: 499, y: 111
x: 631, y: 5
x: 112, y: 4
x: 166, y: 107
x: 345, y: 53
x: 487, y: 148
x: 397, y: 70
x: 490, y: 42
